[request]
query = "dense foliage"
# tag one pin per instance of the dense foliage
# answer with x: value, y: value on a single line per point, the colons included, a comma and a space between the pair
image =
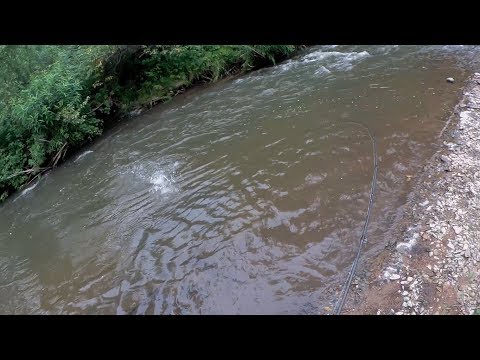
x: 53, y: 99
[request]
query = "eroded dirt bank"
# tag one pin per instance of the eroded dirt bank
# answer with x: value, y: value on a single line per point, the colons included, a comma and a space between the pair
x: 432, y: 265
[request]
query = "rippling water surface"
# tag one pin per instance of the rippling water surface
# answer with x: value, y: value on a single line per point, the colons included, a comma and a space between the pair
x: 244, y: 197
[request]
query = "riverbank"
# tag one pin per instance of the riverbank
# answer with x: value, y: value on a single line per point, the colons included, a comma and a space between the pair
x: 431, y: 265
x: 57, y: 99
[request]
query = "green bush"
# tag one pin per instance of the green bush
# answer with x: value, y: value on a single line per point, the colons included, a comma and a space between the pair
x: 56, y: 98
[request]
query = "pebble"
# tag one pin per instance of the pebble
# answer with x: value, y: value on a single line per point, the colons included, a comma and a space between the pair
x: 457, y: 229
x: 394, y: 277
x: 444, y: 158
x: 450, y: 80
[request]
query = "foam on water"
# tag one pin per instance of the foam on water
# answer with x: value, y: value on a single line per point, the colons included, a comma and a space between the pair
x: 335, y: 60
x: 343, y: 57
x: 288, y: 65
x: 161, y: 183
x: 82, y: 155
x: 322, y: 70
x: 27, y: 190
x: 268, y: 92
x: 159, y: 177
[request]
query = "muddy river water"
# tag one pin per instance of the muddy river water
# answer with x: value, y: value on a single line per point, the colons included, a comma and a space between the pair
x: 245, y: 197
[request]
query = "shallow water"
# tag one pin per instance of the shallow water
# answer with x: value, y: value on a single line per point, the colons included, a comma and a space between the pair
x: 248, y: 196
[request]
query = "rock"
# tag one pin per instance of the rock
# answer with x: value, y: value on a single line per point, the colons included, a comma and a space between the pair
x: 403, y: 248
x: 410, y: 279
x: 394, y: 277
x: 467, y: 253
x: 457, y: 229
x: 445, y: 159
x: 425, y: 203
x: 450, y: 80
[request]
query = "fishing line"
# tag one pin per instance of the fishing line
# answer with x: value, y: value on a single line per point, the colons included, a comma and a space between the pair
x: 348, y: 282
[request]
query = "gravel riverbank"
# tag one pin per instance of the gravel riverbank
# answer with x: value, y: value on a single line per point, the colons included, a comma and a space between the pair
x: 433, y: 263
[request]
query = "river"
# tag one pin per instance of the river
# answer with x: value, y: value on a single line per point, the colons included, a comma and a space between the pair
x: 243, y: 197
